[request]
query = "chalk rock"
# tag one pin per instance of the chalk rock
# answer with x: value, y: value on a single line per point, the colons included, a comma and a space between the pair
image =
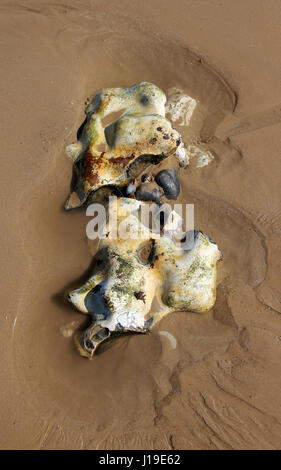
x: 133, y: 266
x: 116, y: 153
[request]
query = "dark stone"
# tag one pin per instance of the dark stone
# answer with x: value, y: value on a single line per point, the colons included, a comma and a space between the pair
x: 140, y: 295
x: 144, y: 99
x: 94, y: 302
x: 146, y: 178
x: 169, y: 181
x: 143, y: 195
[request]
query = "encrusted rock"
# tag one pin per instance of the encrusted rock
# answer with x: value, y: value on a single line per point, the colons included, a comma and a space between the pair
x: 117, y: 153
x: 130, y: 272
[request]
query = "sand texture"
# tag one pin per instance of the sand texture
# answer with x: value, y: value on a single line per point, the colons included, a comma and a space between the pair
x: 209, y: 381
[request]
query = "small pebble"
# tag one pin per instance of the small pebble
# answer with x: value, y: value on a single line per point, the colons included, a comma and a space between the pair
x: 144, y: 195
x: 169, y: 181
x: 146, y: 178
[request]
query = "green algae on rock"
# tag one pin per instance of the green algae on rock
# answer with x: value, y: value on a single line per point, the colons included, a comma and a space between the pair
x: 131, y: 272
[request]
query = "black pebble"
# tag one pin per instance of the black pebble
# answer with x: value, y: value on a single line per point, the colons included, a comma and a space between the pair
x: 144, y: 99
x: 143, y: 195
x: 146, y: 178
x: 169, y: 181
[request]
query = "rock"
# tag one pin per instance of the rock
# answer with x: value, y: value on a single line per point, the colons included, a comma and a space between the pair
x: 130, y: 272
x: 125, y: 148
x: 169, y: 181
x: 143, y: 194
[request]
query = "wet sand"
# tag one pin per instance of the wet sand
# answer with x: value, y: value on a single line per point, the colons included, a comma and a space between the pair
x: 219, y: 388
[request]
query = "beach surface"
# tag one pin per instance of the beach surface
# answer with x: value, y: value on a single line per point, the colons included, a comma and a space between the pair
x: 198, y: 381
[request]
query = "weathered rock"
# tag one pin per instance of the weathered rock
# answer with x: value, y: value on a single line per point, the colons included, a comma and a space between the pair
x: 169, y: 181
x: 130, y: 272
x: 121, y: 151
